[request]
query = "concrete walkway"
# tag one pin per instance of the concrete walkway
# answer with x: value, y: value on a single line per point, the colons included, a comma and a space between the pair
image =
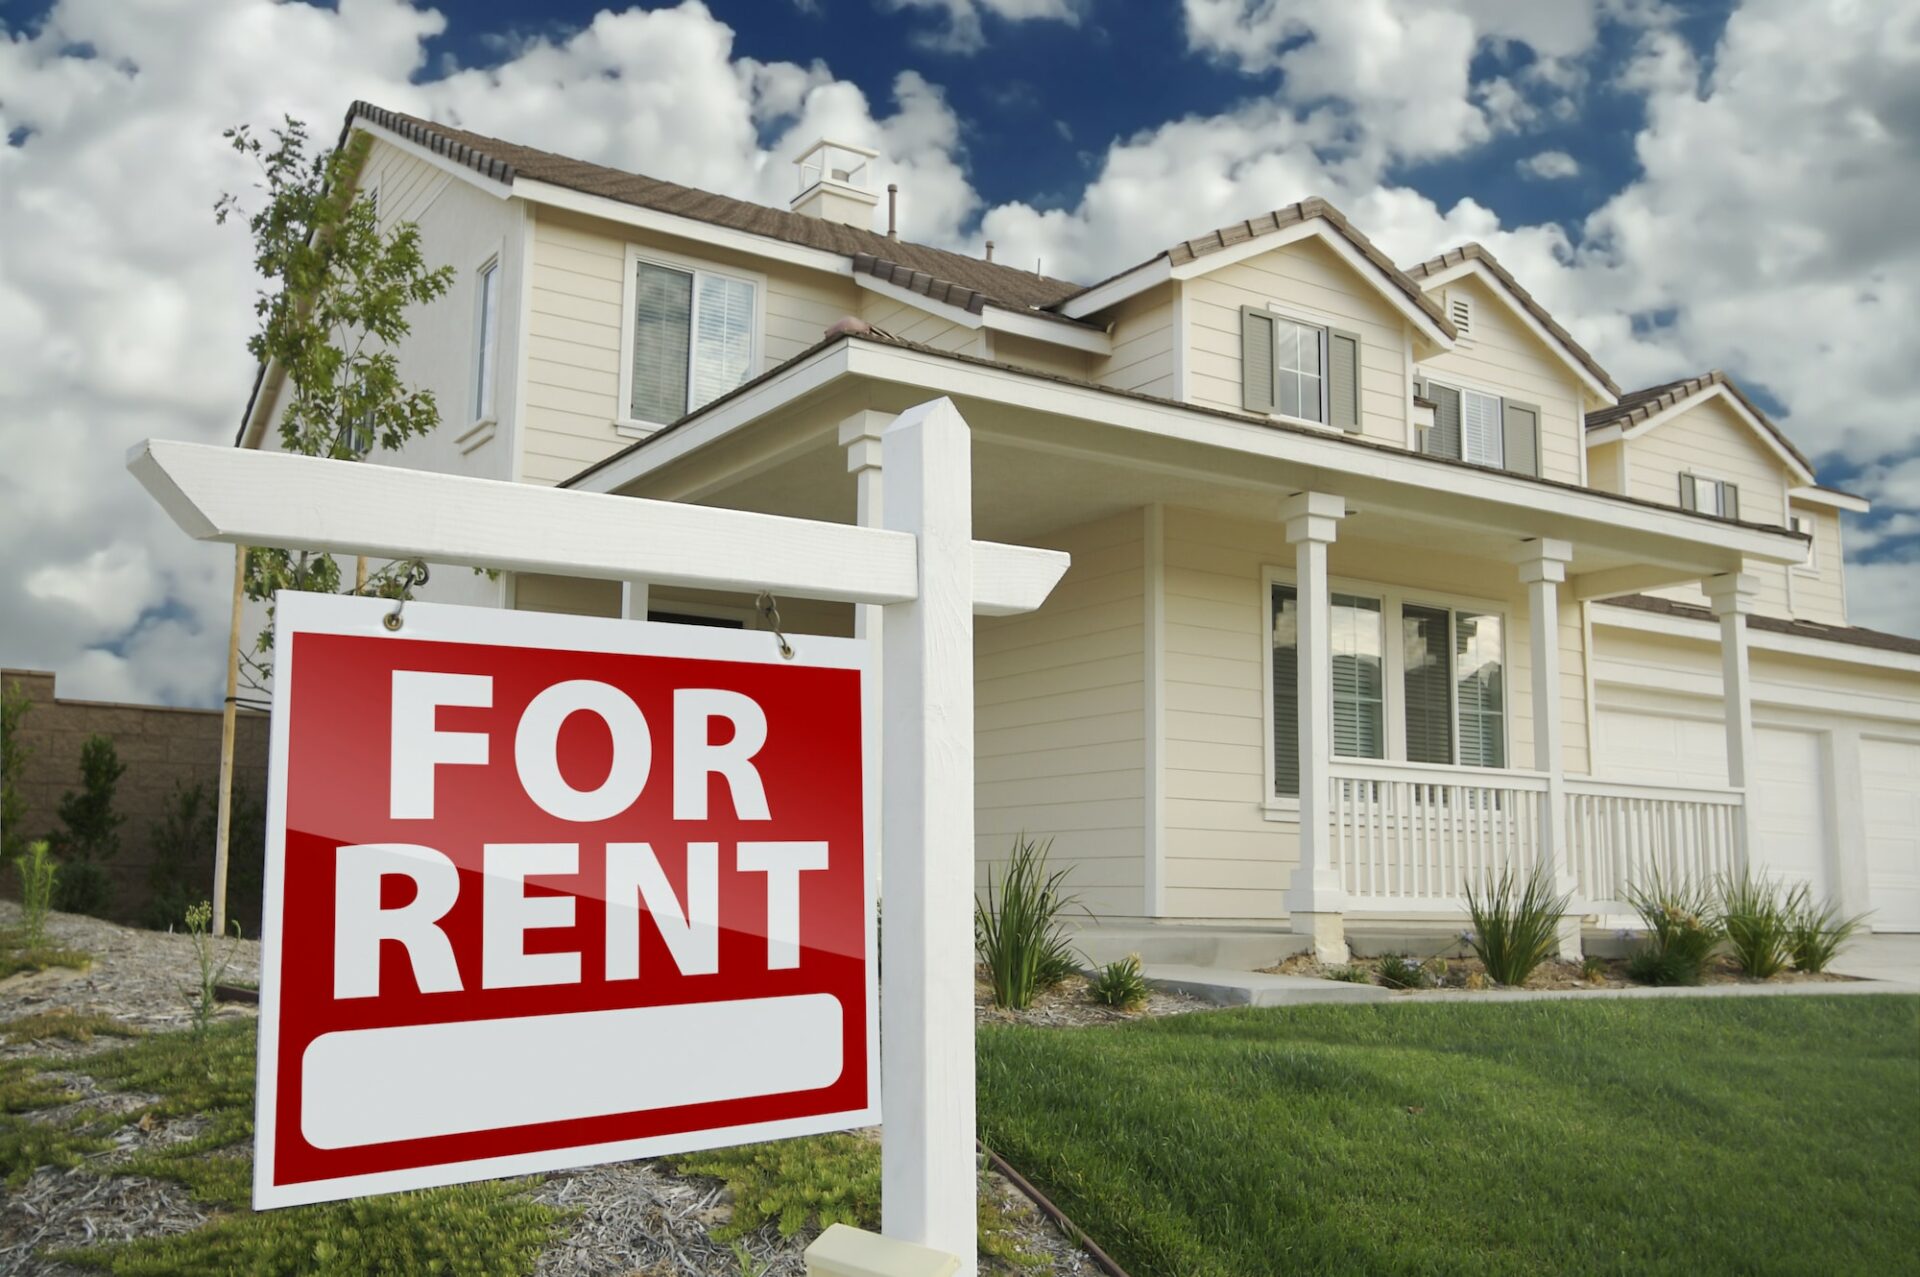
x: 1256, y: 988
x: 1882, y: 957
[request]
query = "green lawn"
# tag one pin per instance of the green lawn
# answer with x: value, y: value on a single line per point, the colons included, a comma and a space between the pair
x: 1698, y: 1136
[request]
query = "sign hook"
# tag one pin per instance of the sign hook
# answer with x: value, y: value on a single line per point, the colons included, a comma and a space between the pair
x: 770, y: 614
x: 412, y: 575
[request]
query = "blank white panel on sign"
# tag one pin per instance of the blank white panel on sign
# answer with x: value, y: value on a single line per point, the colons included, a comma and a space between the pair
x: 372, y: 1086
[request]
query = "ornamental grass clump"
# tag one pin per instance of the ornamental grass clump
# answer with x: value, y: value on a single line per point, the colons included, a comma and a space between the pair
x: 1398, y: 971
x: 1121, y: 984
x: 1757, y: 915
x: 1017, y: 928
x: 1515, y: 924
x: 1683, y: 928
x: 1816, y: 934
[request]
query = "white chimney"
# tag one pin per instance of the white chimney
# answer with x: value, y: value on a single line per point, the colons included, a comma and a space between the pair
x: 836, y: 184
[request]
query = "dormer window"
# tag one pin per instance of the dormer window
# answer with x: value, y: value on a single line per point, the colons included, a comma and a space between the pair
x: 1485, y: 429
x: 690, y: 337
x: 1299, y: 370
x: 1804, y: 526
x: 1717, y: 497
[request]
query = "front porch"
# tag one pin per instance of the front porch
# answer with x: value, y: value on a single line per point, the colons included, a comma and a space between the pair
x: 1291, y: 680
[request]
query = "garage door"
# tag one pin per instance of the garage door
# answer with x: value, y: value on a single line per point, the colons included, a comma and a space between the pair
x: 1660, y: 749
x: 1890, y: 780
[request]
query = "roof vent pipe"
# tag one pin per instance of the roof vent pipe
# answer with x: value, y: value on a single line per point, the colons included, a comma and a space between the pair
x: 989, y: 250
x: 893, y: 210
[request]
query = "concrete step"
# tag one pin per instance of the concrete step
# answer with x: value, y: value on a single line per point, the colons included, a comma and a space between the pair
x: 1243, y: 948
x: 1256, y: 989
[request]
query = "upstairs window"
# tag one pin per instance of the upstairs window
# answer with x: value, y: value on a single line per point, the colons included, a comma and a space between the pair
x: 1711, y: 496
x: 1472, y: 425
x: 486, y: 339
x: 691, y: 339
x: 1299, y: 370
x: 1804, y: 526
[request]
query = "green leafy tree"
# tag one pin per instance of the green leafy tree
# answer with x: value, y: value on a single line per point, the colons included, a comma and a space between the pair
x: 331, y: 316
x: 92, y: 833
x: 14, y: 753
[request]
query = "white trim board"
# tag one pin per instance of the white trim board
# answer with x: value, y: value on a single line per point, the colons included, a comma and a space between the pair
x: 1687, y: 627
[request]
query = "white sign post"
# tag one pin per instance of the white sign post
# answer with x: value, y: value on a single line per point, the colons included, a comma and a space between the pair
x: 924, y: 568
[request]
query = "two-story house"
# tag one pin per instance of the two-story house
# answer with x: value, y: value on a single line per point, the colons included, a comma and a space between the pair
x: 1379, y: 581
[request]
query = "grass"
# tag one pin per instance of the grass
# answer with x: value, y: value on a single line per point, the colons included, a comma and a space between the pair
x: 1722, y: 1135
x: 20, y: 952
x: 65, y: 1025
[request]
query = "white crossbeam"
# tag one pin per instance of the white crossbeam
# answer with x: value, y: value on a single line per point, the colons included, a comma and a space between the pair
x: 344, y: 507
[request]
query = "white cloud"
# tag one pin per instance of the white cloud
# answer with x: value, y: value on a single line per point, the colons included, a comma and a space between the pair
x: 1549, y: 166
x: 965, y: 31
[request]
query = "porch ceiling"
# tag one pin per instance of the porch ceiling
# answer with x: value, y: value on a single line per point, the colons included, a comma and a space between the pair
x: 1037, y: 470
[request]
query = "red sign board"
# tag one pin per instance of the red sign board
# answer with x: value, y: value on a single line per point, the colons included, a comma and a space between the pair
x: 544, y: 891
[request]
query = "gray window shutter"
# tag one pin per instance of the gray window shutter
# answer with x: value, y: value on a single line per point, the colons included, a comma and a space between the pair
x: 1689, y: 499
x: 1343, y: 379
x: 1729, y: 501
x: 1444, y: 439
x: 1520, y: 427
x: 1256, y: 360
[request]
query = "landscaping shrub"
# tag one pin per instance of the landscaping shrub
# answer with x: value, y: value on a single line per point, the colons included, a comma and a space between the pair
x: 1398, y: 971
x: 1121, y: 984
x: 1515, y: 925
x: 1352, y: 973
x: 1017, y: 929
x: 795, y: 1185
x: 1757, y: 915
x: 1682, y: 930
x: 92, y: 832
x: 1816, y: 934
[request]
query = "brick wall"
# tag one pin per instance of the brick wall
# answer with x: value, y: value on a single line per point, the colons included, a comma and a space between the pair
x: 159, y: 745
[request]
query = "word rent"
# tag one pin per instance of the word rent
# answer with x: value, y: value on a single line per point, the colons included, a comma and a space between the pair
x: 634, y: 879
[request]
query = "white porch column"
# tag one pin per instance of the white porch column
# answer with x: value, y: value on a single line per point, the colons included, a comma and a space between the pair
x: 1732, y: 597
x: 1316, y: 899
x: 1543, y: 566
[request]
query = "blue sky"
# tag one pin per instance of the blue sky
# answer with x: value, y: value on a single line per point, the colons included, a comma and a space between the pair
x: 1685, y: 185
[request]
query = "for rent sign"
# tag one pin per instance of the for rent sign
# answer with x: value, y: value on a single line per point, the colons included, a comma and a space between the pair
x: 547, y: 890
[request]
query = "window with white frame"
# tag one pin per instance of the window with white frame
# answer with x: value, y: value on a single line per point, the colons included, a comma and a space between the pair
x: 1804, y: 526
x: 1299, y: 380
x: 486, y: 339
x: 1707, y: 495
x: 1483, y: 428
x: 691, y: 339
x: 1443, y: 685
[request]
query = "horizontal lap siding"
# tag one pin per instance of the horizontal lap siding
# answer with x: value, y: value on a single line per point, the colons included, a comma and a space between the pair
x: 1820, y: 592
x: 1711, y: 439
x: 573, y: 355
x: 1059, y: 721
x: 1500, y: 355
x: 911, y: 323
x: 1143, y: 338
x: 1305, y: 278
x: 1224, y: 857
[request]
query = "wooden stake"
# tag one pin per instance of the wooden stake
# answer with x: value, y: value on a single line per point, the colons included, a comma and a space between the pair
x: 224, y: 829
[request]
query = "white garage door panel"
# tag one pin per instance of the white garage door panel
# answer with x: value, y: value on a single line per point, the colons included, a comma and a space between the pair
x: 1657, y: 749
x: 1890, y: 779
x: 1790, y: 813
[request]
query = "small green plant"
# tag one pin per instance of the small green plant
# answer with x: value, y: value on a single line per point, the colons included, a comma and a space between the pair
x: 1515, y: 924
x: 1593, y: 969
x: 1683, y: 928
x: 1816, y: 934
x: 1398, y: 971
x: 1121, y: 984
x: 38, y: 879
x: 795, y: 1185
x: 212, y: 955
x: 1017, y: 928
x: 1757, y: 915
x: 1350, y: 973
x: 92, y: 833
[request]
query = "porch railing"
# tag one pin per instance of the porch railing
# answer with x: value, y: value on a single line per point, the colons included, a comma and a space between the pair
x: 1408, y: 836
x: 1622, y: 836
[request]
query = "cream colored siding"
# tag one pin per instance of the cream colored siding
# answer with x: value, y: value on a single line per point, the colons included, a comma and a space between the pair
x: 1224, y: 857
x: 1143, y: 344
x: 538, y: 592
x: 1305, y: 280
x: 1060, y: 731
x: 1606, y: 467
x: 1041, y: 356
x: 911, y: 323
x: 1500, y: 355
x: 579, y: 291
x: 1820, y: 592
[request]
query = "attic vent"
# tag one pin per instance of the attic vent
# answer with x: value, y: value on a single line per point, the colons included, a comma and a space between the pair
x: 1460, y: 311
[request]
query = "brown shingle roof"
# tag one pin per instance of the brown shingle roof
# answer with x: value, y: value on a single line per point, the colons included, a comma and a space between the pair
x: 1278, y: 220
x: 995, y: 284
x: 1475, y: 253
x: 1855, y: 635
x: 1640, y: 405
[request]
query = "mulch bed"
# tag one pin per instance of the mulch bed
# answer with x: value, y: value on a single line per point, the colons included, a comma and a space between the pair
x: 1071, y: 1005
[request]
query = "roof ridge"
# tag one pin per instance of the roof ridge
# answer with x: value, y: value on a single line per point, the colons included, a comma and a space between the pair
x: 1640, y: 405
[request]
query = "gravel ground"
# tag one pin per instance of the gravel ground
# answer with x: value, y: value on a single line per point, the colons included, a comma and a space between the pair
x: 635, y: 1219
x: 1071, y: 1006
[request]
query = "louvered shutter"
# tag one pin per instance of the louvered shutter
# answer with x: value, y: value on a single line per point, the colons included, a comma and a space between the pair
x: 1343, y: 379
x: 1520, y: 424
x: 1256, y: 360
x: 1444, y: 439
x: 1729, y: 501
x: 1689, y: 498
x: 1285, y: 621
